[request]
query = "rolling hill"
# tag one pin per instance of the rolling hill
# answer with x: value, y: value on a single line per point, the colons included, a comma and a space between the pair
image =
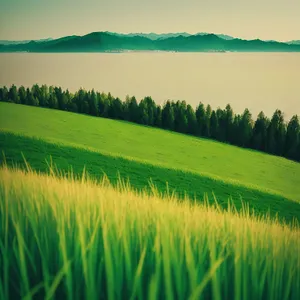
x: 190, y: 165
x: 104, y: 41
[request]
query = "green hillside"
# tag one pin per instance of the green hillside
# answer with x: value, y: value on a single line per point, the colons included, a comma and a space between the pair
x: 189, y: 164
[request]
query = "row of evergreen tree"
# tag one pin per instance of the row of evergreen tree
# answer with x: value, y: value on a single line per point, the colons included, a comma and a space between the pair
x: 273, y: 135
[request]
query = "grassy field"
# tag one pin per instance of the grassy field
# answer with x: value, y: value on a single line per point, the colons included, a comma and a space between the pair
x: 66, y: 158
x: 189, y: 165
x: 67, y: 239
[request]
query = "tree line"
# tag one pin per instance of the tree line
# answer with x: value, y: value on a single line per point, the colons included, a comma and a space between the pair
x: 273, y: 136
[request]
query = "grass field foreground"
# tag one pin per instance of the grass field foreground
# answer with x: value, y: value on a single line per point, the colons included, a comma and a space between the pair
x: 67, y: 239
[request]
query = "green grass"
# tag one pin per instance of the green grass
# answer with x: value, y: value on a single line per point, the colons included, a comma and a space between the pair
x: 192, y: 165
x: 155, y: 146
x: 67, y: 239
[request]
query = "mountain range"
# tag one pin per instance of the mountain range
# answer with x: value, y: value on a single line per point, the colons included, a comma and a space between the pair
x: 294, y: 42
x: 179, y: 42
x: 6, y: 42
x: 156, y: 36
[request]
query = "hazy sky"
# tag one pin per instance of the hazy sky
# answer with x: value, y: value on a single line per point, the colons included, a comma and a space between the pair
x: 265, y: 19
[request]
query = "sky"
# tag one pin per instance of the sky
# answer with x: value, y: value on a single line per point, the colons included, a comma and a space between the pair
x: 248, y: 19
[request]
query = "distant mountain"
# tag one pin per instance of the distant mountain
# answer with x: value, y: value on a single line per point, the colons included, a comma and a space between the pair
x: 156, y: 36
x: 151, y: 36
x: 222, y: 36
x: 111, y: 42
x: 225, y: 37
x: 294, y: 42
x: 6, y: 42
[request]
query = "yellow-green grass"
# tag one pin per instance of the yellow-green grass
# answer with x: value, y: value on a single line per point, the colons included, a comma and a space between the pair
x: 66, y: 239
x: 190, y: 165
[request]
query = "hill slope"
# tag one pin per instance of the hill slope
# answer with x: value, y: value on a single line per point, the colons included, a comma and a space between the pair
x: 104, y: 41
x: 189, y: 164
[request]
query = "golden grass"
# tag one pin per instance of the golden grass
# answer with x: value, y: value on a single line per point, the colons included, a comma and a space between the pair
x: 61, y: 237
